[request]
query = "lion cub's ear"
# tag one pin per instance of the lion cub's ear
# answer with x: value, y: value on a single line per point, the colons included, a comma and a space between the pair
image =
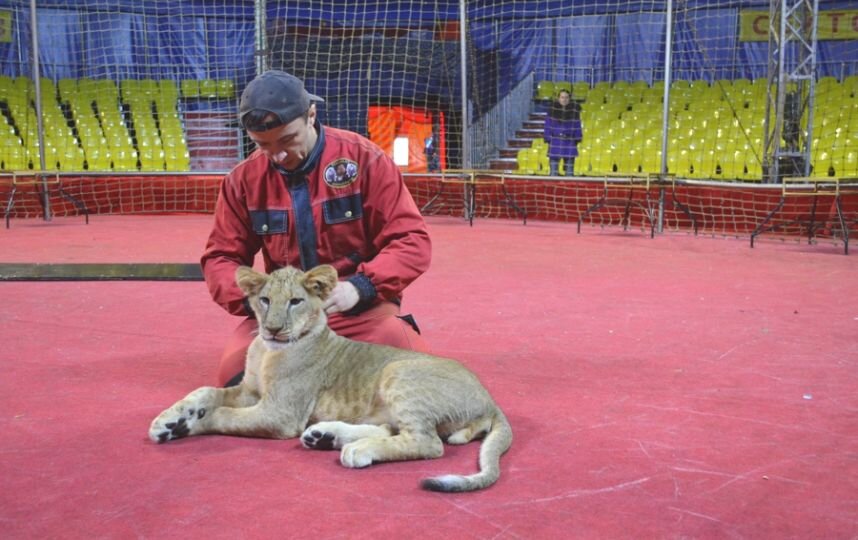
x: 249, y: 280
x: 321, y: 280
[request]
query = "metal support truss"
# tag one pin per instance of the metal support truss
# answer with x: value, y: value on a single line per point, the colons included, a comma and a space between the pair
x: 790, y: 96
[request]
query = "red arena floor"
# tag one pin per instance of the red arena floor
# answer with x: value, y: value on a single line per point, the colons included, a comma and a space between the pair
x: 675, y: 387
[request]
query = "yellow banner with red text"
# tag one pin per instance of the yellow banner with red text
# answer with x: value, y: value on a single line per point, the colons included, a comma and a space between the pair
x: 831, y: 24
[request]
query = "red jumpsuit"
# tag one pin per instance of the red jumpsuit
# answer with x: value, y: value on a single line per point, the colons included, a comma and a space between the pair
x: 346, y: 206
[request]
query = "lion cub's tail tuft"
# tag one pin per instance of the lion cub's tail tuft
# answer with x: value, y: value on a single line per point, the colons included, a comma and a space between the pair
x: 496, y: 442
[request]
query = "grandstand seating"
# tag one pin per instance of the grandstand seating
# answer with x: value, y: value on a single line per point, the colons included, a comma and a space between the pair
x: 99, y: 125
x: 715, y: 131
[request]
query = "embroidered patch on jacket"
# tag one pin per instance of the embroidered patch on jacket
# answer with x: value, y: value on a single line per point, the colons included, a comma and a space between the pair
x: 341, y: 173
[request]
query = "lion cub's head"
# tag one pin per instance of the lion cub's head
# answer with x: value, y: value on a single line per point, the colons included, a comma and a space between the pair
x: 287, y: 302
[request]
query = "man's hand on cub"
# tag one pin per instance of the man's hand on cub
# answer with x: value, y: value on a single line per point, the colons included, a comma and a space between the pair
x: 344, y: 297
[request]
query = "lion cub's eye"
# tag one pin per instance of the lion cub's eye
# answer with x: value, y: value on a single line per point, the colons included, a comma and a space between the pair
x: 295, y: 301
x: 264, y: 301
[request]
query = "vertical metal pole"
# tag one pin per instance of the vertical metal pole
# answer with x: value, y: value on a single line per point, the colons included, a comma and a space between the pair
x: 261, y: 51
x: 463, y: 53
x: 46, y: 200
x: 811, y: 91
x: 789, y: 129
x: 260, y: 58
x: 665, y: 117
x: 780, y: 100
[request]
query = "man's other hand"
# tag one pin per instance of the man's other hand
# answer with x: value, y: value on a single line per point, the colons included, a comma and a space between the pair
x: 344, y: 297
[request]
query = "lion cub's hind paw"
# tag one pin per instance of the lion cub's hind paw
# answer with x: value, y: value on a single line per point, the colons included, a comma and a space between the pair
x: 335, y: 435
x: 318, y: 440
x: 326, y: 435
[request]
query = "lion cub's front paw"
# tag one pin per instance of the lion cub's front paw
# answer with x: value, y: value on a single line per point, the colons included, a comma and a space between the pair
x: 179, y: 420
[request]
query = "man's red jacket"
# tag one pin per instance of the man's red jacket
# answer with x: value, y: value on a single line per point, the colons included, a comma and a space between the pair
x: 366, y: 223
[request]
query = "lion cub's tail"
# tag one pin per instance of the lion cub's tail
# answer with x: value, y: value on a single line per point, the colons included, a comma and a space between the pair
x: 496, y: 442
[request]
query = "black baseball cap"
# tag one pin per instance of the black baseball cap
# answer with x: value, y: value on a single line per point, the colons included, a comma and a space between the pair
x: 274, y: 92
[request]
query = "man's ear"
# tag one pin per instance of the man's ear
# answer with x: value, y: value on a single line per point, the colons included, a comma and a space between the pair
x: 249, y: 280
x: 321, y: 280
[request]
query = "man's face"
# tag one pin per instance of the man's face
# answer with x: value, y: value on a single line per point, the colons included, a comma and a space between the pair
x: 289, y: 144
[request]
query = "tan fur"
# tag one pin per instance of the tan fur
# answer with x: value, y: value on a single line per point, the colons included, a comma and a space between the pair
x: 374, y: 403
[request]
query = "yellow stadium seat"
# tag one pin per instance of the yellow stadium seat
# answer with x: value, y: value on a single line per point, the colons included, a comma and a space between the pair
x: 525, y: 161
x: 6, y: 86
x: 208, y: 88
x: 580, y: 89
x: 86, y: 88
x: 741, y: 84
x: 167, y: 90
x: 730, y: 165
x: 23, y: 86
x: 753, y: 169
x: 14, y: 157
x: 704, y: 163
x: 225, y: 89
x: 540, y: 155
x: 602, y: 159
x: 98, y: 158
x: 72, y: 159
x: 124, y: 159
x: 106, y: 91
x: 824, y: 84
x: 177, y: 159
x: 67, y: 88
x: 150, y: 88
x: 545, y: 90
x: 850, y: 86
x: 651, y: 155
x: 630, y: 161
x: 845, y: 164
x: 51, y: 157
x: 562, y: 85
x: 151, y: 158
x: 582, y: 165
x: 679, y: 163
x: 190, y: 88
x: 129, y: 88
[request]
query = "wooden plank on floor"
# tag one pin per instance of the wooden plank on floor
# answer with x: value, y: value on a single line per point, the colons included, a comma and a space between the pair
x: 100, y: 272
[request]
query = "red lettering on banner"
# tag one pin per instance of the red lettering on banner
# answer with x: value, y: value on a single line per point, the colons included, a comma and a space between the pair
x: 757, y: 22
x: 855, y: 23
x: 835, y: 19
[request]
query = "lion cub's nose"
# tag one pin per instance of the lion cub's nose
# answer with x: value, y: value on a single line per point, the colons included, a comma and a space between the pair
x: 273, y: 330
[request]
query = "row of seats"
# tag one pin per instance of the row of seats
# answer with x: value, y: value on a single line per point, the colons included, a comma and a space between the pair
x: 92, y: 133
x: 208, y: 88
x: 715, y: 131
x: 825, y: 86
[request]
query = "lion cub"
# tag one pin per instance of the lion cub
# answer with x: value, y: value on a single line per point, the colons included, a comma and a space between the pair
x: 374, y: 403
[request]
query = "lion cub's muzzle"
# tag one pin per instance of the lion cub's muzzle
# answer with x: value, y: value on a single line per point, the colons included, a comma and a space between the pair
x: 274, y: 337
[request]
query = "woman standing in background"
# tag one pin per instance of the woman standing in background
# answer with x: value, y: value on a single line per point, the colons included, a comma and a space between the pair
x: 562, y: 132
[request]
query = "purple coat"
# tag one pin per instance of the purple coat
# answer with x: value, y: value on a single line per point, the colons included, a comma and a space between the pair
x: 562, y: 131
